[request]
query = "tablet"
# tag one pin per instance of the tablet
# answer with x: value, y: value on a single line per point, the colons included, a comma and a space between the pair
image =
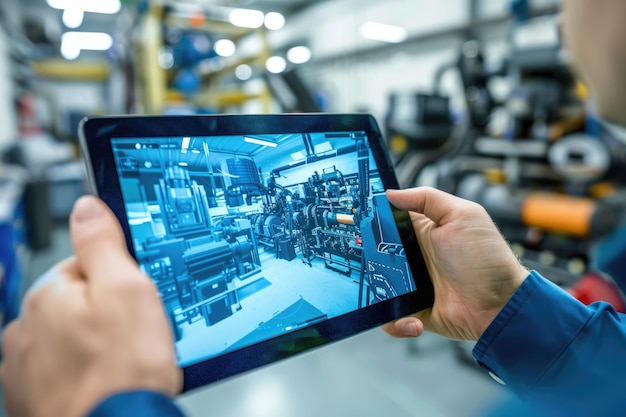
x: 266, y: 235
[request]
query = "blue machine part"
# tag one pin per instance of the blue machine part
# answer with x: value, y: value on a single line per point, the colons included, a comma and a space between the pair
x: 386, y: 265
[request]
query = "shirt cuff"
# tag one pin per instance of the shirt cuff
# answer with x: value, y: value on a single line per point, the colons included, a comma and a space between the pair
x: 530, y: 333
x: 137, y: 403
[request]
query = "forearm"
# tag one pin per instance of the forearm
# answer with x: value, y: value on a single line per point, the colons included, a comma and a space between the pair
x: 552, y: 350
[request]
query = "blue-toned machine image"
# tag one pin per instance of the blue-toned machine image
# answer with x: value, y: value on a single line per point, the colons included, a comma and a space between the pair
x: 250, y: 237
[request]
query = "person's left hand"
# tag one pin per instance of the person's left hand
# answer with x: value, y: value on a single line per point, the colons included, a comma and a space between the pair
x: 92, y: 327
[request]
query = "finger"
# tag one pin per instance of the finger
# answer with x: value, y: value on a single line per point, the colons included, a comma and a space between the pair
x: 405, y: 327
x: 98, y: 242
x: 437, y: 205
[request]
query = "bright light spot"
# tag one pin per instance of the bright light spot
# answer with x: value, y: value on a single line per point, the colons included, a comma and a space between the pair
x: 224, y: 47
x: 91, y: 6
x: 383, y: 33
x: 166, y: 58
x: 299, y: 54
x: 275, y: 64
x: 137, y: 146
x: 93, y: 41
x: 183, y: 164
x: 147, y: 164
x: 69, y: 51
x: 243, y: 72
x: 246, y: 18
x: 73, y: 17
x: 274, y: 21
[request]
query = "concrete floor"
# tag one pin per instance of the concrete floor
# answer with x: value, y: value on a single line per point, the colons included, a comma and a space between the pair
x: 366, y: 375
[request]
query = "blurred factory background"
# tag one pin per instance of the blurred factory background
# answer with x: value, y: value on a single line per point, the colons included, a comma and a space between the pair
x: 474, y: 97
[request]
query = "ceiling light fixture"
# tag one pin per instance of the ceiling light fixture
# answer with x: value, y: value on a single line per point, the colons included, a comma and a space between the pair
x: 246, y: 18
x: 261, y: 142
x: 73, y: 17
x: 185, y: 144
x: 91, y: 6
x: 274, y: 21
x: 299, y: 54
x: 275, y: 64
x: 383, y: 33
x: 72, y: 43
x: 224, y: 47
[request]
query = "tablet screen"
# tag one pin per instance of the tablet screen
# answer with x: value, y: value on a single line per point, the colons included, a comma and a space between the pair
x: 250, y: 237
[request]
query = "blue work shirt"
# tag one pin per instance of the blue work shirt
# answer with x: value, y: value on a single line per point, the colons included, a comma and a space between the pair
x: 561, y: 357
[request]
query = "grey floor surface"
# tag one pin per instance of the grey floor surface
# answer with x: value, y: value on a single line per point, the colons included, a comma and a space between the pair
x: 367, y: 375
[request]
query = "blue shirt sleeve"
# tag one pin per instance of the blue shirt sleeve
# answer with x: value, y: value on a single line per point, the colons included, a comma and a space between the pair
x: 137, y: 403
x: 556, y: 353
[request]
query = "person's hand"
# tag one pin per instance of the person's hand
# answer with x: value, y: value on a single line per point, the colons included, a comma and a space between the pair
x: 473, y: 269
x: 92, y: 327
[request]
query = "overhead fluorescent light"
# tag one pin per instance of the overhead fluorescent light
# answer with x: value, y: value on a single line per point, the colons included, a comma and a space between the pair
x: 93, y: 41
x: 299, y: 54
x: 224, y: 47
x: 72, y: 43
x: 91, y: 6
x: 275, y: 64
x: 274, y: 21
x: 260, y: 142
x: 73, y: 17
x: 185, y: 145
x: 383, y: 33
x: 183, y: 164
x: 246, y: 18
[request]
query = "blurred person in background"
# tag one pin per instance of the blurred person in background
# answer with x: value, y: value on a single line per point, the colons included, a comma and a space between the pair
x: 93, y: 338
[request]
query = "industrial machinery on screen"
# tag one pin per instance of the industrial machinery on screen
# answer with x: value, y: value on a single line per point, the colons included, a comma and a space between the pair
x: 248, y: 237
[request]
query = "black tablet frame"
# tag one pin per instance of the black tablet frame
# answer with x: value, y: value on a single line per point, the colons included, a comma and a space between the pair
x: 95, y: 135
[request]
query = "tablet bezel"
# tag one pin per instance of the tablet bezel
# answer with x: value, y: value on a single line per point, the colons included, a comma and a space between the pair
x: 95, y: 135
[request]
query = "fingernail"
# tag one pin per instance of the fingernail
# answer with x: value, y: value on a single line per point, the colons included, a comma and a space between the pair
x: 410, y: 330
x: 86, y: 208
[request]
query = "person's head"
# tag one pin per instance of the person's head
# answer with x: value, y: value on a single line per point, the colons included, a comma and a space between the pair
x: 594, y: 33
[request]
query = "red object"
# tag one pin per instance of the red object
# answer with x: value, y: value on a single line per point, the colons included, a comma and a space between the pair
x: 593, y: 287
x: 358, y: 241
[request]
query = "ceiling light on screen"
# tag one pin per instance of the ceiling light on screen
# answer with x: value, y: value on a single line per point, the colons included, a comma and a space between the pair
x: 274, y: 21
x: 91, y: 6
x: 246, y: 18
x: 383, y: 33
x: 275, y: 64
x: 224, y: 47
x: 261, y: 142
x: 299, y: 54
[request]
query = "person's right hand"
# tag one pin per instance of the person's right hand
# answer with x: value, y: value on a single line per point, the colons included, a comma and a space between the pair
x: 473, y: 269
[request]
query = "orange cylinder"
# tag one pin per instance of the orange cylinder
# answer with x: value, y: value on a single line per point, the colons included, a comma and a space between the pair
x: 345, y: 219
x: 559, y: 213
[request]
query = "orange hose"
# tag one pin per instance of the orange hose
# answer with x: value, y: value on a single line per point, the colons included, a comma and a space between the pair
x: 559, y: 213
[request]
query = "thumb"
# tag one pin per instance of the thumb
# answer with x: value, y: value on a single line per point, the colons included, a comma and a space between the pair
x: 99, y: 242
x: 437, y: 205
